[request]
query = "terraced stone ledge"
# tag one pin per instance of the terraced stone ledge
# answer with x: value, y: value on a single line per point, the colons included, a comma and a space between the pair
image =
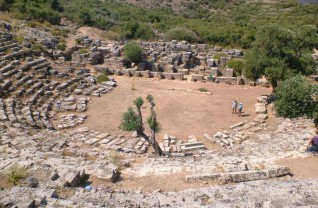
x: 242, y: 176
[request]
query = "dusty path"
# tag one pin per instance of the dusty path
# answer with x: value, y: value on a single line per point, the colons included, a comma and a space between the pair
x: 180, y: 113
x: 91, y: 32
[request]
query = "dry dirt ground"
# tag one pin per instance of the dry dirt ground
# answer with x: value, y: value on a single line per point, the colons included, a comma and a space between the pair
x: 180, y: 112
x: 302, y: 167
x: 150, y: 183
x: 91, y: 32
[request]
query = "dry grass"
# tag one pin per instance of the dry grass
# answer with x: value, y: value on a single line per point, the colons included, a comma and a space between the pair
x: 181, y: 113
x: 16, y: 173
x: 5, y: 16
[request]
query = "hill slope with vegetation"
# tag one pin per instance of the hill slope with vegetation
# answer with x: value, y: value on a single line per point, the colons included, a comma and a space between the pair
x: 221, y: 22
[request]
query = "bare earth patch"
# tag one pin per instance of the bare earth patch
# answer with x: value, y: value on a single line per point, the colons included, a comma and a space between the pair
x: 302, y: 167
x: 181, y: 113
x: 150, y: 183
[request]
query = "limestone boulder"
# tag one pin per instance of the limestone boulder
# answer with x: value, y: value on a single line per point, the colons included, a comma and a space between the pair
x: 260, y: 118
x: 262, y: 99
x: 108, y: 172
x: 260, y: 108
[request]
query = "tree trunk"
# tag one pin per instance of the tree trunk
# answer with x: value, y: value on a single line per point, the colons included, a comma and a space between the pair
x: 274, y: 83
x: 155, y: 144
x: 152, y: 142
x: 141, y: 124
x: 153, y: 131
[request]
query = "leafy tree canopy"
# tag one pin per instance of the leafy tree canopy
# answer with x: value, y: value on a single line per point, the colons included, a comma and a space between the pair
x: 293, y: 98
x: 279, y: 53
x: 131, y: 121
x: 133, y: 52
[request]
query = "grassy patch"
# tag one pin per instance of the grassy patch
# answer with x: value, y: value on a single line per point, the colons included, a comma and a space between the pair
x: 202, y: 89
x: 219, y: 55
x: 38, y: 48
x: 102, y: 78
x: 16, y: 173
x: 82, y: 51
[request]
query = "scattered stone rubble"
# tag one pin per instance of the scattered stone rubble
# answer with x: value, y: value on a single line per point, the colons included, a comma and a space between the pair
x: 70, y: 121
x: 290, y: 193
x: 173, y: 146
x: 165, y: 60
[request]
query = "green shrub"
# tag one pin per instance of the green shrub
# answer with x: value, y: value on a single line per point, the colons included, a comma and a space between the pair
x: 56, y: 32
x: 37, y: 47
x: 79, y: 40
x: 181, y: 33
x: 133, y: 52
x: 16, y: 173
x: 20, y: 39
x: 82, y: 51
x: 65, y: 32
x: 236, y: 64
x: 136, y: 30
x: 102, y: 78
x: 86, y: 18
x: 202, y: 89
x: 293, y: 98
x: 34, y: 24
x: 219, y: 55
x: 61, y: 46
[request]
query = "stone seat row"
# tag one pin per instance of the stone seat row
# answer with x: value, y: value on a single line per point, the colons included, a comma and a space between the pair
x: 5, y: 42
x: 149, y: 74
x: 15, y: 55
x: 18, y: 116
x: 9, y: 46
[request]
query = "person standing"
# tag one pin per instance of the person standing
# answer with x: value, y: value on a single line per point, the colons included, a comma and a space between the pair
x: 240, y: 108
x: 234, y: 107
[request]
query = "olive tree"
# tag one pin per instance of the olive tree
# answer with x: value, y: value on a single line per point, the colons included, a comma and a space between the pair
x: 132, y: 120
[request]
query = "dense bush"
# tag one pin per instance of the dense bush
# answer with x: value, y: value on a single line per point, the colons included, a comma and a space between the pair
x: 236, y: 64
x: 279, y: 53
x: 293, y: 98
x: 134, y: 30
x: 180, y: 33
x: 133, y: 52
